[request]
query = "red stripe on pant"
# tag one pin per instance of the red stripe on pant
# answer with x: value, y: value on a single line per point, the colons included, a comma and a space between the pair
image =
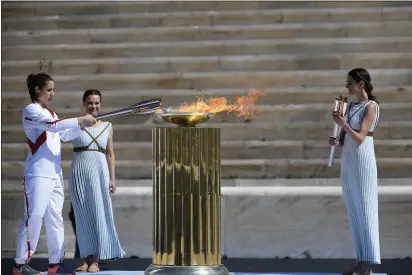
x: 27, y: 221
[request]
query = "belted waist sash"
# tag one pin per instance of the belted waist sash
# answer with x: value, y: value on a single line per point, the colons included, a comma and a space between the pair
x: 370, y: 134
x: 85, y: 148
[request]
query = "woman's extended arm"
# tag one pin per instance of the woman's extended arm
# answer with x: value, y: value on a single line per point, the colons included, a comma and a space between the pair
x: 33, y: 118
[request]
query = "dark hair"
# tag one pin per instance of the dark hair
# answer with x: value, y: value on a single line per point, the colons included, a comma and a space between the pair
x: 360, y: 74
x: 37, y: 80
x: 91, y: 92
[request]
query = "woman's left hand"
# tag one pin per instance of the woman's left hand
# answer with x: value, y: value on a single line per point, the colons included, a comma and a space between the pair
x: 339, y: 120
x: 112, y: 186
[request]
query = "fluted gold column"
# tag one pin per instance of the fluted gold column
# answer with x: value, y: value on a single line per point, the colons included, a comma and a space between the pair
x: 186, y: 201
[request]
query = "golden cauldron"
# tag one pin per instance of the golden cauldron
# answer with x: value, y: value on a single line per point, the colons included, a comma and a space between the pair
x: 186, y: 196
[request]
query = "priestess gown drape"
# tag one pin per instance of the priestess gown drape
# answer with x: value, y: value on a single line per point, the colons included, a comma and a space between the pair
x: 89, y: 193
x: 360, y: 187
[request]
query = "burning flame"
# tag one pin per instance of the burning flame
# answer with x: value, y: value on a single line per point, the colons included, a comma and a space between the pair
x: 244, y: 106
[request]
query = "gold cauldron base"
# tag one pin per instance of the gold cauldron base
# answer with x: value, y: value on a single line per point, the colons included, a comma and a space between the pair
x: 186, y: 270
x: 186, y: 201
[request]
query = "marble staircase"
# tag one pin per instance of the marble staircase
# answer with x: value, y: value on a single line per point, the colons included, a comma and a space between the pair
x: 300, y: 51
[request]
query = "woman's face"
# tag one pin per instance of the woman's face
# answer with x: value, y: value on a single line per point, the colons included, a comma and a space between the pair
x: 92, y: 105
x: 45, y: 95
x: 352, y: 86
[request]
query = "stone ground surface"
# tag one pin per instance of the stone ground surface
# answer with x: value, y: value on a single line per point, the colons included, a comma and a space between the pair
x: 288, y: 266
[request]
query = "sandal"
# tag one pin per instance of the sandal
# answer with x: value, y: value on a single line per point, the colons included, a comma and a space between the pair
x: 83, y: 267
x: 93, y: 267
x: 359, y: 269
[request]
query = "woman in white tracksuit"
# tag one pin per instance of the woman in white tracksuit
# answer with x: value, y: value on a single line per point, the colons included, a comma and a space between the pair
x: 43, y: 182
x: 358, y: 169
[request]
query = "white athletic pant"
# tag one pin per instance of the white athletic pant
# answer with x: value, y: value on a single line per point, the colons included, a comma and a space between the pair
x: 43, y: 198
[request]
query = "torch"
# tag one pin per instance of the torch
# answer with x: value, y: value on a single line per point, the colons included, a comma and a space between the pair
x: 341, y: 104
x: 145, y: 107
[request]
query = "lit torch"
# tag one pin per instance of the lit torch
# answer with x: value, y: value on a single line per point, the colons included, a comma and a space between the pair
x: 341, y: 104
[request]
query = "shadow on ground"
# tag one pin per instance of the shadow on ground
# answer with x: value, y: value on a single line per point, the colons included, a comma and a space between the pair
x: 390, y: 267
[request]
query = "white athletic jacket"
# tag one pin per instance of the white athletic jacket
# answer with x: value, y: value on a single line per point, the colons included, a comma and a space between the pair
x: 44, y: 131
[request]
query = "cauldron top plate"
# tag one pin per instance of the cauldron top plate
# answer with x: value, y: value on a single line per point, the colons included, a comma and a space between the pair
x: 184, y: 119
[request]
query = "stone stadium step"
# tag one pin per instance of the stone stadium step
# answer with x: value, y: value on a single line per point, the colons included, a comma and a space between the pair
x: 14, y: 188
x: 387, y: 130
x: 223, y: 47
x: 27, y: 9
x: 213, y: 80
x: 207, y: 18
x: 214, y: 33
x: 251, y: 149
x: 243, y: 63
x: 246, y: 168
x: 265, y: 113
x: 275, y: 96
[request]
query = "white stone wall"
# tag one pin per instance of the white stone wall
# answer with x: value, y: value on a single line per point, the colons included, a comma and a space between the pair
x: 257, y: 222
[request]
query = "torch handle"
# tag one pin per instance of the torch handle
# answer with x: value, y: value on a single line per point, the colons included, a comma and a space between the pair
x: 331, y: 156
x: 336, y: 130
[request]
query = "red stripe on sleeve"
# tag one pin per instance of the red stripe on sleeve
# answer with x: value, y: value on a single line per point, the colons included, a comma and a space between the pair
x: 54, y: 122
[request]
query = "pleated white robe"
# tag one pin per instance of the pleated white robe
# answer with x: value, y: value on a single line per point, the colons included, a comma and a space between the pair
x: 360, y: 187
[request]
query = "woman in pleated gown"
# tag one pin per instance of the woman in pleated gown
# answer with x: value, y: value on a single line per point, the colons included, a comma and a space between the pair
x: 91, y: 183
x: 359, y: 170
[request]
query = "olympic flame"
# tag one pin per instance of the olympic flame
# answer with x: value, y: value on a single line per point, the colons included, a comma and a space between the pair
x: 243, y: 105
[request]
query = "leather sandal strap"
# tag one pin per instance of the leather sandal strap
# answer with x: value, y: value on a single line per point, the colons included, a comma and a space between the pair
x: 83, y: 267
x: 96, y: 267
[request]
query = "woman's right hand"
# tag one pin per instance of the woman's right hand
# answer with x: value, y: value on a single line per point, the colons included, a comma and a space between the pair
x: 86, y: 121
x: 333, y: 141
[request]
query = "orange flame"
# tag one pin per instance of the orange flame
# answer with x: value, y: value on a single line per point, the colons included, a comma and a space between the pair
x: 244, y: 106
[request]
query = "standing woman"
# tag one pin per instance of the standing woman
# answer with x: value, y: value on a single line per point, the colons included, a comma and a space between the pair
x: 92, y: 179
x: 359, y: 171
x: 43, y: 180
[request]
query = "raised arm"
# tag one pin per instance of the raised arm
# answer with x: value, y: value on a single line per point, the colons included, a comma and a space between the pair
x: 34, y: 118
x: 69, y: 134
